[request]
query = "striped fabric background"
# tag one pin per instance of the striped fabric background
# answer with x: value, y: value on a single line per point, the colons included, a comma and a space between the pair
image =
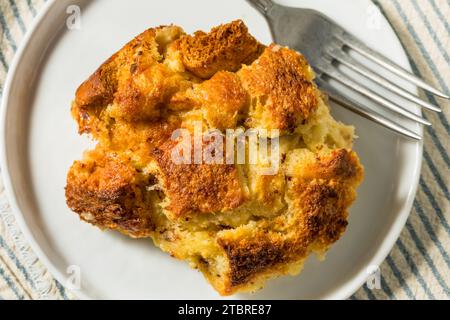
x: 418, y: 266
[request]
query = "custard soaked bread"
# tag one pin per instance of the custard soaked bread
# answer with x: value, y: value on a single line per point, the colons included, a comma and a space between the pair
x: 238, y: 225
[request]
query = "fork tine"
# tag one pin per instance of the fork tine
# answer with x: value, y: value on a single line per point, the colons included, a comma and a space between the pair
x: 333, y: 73
x: 351, y: 42
x: 351, y: 63
x: 366, y: 113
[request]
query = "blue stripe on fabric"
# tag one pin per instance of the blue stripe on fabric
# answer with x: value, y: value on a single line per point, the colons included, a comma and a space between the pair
x: 429, y: 129
x: 431, y: 98
x: 62, y: 290
x: 7, y: 32
x: 369, y: 292
x: 399, y: 277
x: 16, y: 14
x: 432, y: 132
x: 426, y: 222
x: 4, y: 62
x: 10, y: 284
x: 384, y: 286
x: 424, y: 52
x: 431, y: 31
x: 439, y: 13
x: 16, y: 261
x: 387, y: 289
x: 3, y: 244
x: 434, y: 204
x: 445, y: 157
x: 31, y: 7
x: 428, y: 259
x: 432, y: 67
x: 401, y: 247
x: 442, y: 151
x: 436, y: 174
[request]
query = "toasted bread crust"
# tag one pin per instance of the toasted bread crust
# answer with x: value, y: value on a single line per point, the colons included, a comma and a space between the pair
x: 223, y: 99
x: 318, y: 210
x: 280, y: 84
x: 225, y: 47
x: 105, y: 190
x: 197, y: 188
x: 132, y: 78
x: 99, y: 89
x: 250, y: 256
x: 236, y: 225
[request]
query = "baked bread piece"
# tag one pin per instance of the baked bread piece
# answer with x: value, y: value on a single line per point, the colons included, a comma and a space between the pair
x: 235, y: 224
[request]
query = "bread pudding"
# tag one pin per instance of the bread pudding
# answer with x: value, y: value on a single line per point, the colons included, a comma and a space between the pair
x: 231, y: 220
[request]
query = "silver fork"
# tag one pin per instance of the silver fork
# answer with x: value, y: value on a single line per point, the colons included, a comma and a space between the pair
x: 323, y: 43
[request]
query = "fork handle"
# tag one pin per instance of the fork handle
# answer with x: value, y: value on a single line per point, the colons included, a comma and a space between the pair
x: 262, y: 5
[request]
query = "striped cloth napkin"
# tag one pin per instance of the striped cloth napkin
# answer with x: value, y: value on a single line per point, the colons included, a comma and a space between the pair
x: 419, y: 265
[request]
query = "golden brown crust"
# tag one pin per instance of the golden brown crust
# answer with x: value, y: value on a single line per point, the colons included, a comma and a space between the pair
x: 106, y: 190
x: 280, y: 84
x: 225, y: 47
x: 197, y: 188
x: 132, y: 79
x: 250, y: 256
x: 318, y: 217
x: 237, y: 225
x: 339, y: 164
x: 99, y: 89
x: 323, y: 190
x: 223, y: 98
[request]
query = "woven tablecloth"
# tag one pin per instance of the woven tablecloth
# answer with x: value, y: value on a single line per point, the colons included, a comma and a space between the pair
x: 419, y: 265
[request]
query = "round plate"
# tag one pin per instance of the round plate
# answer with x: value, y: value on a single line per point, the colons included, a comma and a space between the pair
x: 40, y: 142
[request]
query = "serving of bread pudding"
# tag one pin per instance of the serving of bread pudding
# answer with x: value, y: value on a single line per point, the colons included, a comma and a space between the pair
x: 237, y: 225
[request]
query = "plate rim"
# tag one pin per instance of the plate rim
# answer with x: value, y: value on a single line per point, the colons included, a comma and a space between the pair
x: 344, y: 292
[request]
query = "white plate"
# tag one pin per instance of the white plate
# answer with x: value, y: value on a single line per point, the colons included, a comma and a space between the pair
x: 40, y: 142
